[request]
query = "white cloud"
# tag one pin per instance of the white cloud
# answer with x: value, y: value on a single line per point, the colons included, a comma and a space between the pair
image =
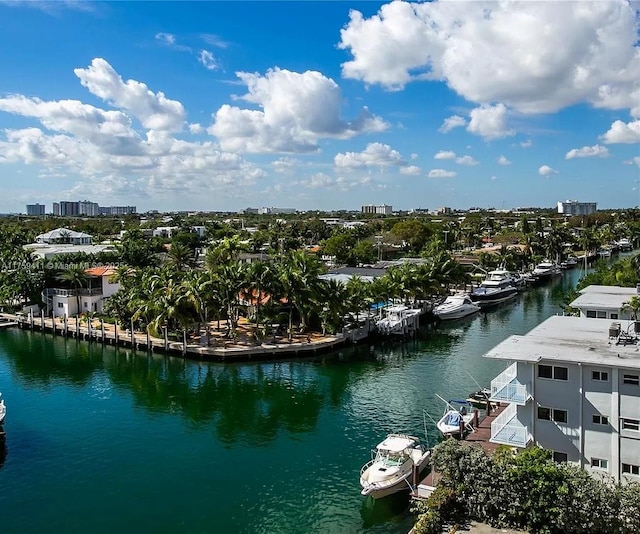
x: 633, y: 161
x: 466, y: 160
x: 545, y: 170
x: 207, y: 59
x: 445, y: 154
x: 526, y: 144
x: 493, y: 178
x: 375, y: 155
x: 502, y: 160
x: 196, y: 128
x: 414, y: 156
x: 490, y: 122
x: 621, y: 132
x: 587, y: 152
x: 153, y: 110
x: 214, y: 40
x: 297, y: 109
x: 441, y: 173
x: 535, y: 57
x: 410, y: 170
x: 340, y: 183
x: 285, y: 164
x: 166, y: 38
x: 455, y: 121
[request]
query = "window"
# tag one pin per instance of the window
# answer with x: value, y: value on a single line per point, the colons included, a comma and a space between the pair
x: 60, y: 305
x: 614, y: 315
x: 600, y: 419
x: 560, y: 457
x: 552, y: 371
x: 550, y: 414
x: 545, y: 371
x: 631, y: 469
x: 601, y: 315
x: 634, y: 380
x: 599, y: 463
x: 85, y: 304
x: 591, y: 314
x: 630, y: 424
x: 602, y: 376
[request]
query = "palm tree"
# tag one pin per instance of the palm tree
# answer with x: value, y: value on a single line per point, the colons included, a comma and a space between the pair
x: 335, y: 305
x: 357, y: 293
x: 262, y: 278
x: 76, y: 277
x: 180, y: 256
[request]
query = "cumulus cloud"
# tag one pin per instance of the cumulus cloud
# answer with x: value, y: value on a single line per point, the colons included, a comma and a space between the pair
x: 493, y: 178
x: 414, y: 156
x: 410, y: 170
x: 196, y: 128
x: 207, y: 60
x: 489, y: 122
x: 535, y: 57
x: 466, y: 160
x: 341, y: 183
x: 545, y: 170
x: 455, y: 121
x: 441, y: 173
x: 633, y: 161
x: 445, y: 154
x: 587, y: 152
x: 154, y: 110
x: 526, y: 144
x: 621, y: 132
x: 285, y: 164
x: 296, y: 110
x: 374, y: 155
x: 502, y: 160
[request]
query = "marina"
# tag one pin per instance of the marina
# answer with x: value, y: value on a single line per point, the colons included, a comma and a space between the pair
x: 138, y: 425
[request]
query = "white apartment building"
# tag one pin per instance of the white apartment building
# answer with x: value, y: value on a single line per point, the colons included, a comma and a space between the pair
x: 605, y: 302
x: 384, y: 209
x: 573, y: 388
x: 573, y: 207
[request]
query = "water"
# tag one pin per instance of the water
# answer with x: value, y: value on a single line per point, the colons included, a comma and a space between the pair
x: 102, y: 439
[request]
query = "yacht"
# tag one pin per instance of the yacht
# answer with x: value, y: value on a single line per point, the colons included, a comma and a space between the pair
x: 455, y: 307
x: 498, y: 286
x: 624, y: 244
x: 392, y: 466
x: 546, y: 270
x: 604, y: 252
x: 398, y: 320
x: 569, y: 263
x: 3, y: 410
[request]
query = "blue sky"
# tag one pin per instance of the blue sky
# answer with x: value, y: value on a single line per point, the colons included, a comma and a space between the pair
x: 319, y: 105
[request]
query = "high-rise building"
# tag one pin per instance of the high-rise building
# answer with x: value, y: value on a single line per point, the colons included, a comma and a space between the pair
x: 68, y: 209
x: 117, y: 210
x: 35, y: 209
x: 86, y: 207
x: 573, y: 207
x: 378, y: 210
x: 56, y: 208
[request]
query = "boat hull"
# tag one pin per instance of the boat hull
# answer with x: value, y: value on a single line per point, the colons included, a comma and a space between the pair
x: 489, y: 298
x: 457, y: 313
x: 401, y: 482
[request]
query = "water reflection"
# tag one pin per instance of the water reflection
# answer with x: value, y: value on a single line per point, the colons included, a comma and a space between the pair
x: 3, y: 447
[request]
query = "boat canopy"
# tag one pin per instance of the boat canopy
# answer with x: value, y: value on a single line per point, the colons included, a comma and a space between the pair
x: 396, y: 443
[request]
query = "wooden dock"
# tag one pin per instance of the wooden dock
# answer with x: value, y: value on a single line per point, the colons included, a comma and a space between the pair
x: 480, y: 437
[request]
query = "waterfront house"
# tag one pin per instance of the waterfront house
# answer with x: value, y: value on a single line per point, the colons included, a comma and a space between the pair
x: 64, y: 241
x: 573, y: 388
x: 64, y: 302
x: 605, y: 302
x: 64, y: 236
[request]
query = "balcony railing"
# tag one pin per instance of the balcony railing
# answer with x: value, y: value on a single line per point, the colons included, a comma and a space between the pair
x: 506, y: 429
x: 506, y: 388
x: 84, y: 292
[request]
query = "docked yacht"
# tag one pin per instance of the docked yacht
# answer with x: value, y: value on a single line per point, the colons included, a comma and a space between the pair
x: 455, y: 307
x: 569, y: 263
x: 545, y: 270
x: 624, y: 244
x: 390, y: 469
x: 498, y: 286
x: 398, y: 320
x: 3, y: 410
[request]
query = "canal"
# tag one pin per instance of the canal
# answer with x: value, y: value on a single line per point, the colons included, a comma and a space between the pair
x: 101, y: 439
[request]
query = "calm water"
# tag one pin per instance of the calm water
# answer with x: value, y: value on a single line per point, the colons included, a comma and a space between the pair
x: 104, y: 440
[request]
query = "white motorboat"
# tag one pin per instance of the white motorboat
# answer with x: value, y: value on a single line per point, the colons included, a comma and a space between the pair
x: 391, y: 468
x: 455, y: 307
x: 498, y: 286
x: 3, y: 411
x: 604, y: 252
x: 398, y: 320
x: 569, y: 263
x: 458, y: 416
x: 545, y: 270
x: 624, y: 244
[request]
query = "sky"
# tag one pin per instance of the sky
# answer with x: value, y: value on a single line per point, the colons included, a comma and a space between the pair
x: 219, y: 106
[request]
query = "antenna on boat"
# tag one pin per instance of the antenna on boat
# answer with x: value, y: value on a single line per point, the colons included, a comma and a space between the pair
x: 445, y: 401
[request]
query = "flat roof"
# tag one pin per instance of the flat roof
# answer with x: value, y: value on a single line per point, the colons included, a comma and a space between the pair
x: 571, y: 340
x: 610, y: 297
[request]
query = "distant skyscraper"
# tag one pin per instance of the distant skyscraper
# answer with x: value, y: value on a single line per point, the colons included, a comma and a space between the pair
x: 86, y: 207
x: 118, y: 210
x: 56, y: 208
x: 378, y: 210
x: 573, y: 207
x: 69, y: 209
x: 35, y: 209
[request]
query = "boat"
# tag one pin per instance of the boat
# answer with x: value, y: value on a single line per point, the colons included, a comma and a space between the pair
x: 480, y: 397
x: 3, y: 410
x: 569, y: 263
x: 545, y: 270
x: 498, y: 286
x: 455, y: 307
x: 604, y: 252
x: 624, y: 244
x: 399, y: 320
x: 392, y: 465
x: 457, y: 416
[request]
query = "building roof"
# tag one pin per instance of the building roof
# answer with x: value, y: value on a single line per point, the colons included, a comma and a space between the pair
x: 605, y: 297
x: 101, y: 271
x: 60, y: 233
x: 48, y: 251
x: 571, y: 340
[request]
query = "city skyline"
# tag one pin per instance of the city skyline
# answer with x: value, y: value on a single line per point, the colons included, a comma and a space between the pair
x: 212, y: 106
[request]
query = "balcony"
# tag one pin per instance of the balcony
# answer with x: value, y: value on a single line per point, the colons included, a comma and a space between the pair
x: 506, y: 429
x: 506, y: 388
x: 83, y: 292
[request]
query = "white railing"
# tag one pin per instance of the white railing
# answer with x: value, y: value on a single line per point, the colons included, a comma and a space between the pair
x: 506, y: 429
x: 506, y: 388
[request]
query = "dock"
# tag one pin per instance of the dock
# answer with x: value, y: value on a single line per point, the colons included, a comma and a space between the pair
x: 480, y: 437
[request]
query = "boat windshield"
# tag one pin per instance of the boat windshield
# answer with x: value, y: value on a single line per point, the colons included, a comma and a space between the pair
x: 391, y: 459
